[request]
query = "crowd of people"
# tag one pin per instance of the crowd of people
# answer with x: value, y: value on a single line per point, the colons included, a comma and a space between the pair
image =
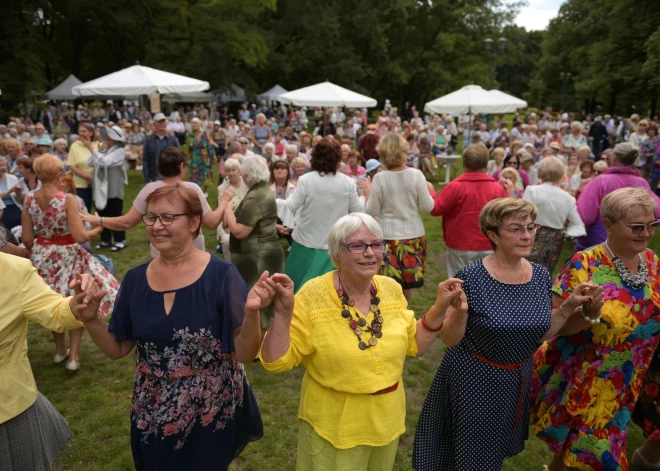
x: 323, y: 246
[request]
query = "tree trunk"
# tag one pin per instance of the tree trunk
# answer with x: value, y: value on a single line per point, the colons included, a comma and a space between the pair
x: 613, y: 103
x: 654, y: 107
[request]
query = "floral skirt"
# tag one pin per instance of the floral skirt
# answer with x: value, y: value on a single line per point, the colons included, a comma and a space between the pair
x: 547, y: 247
x: 647, y: 409
x: 404, y: 261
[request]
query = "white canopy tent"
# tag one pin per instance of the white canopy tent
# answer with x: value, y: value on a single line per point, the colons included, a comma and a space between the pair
x: 64, y: 90
x: 473, y: 99
x: 272, y: 94
x: 326, y: 94
x: 140, y: 80
x: 192, y: 97
x: 235, y: 93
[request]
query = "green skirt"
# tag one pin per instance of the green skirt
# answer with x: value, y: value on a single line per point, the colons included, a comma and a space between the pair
x: 304, y: 264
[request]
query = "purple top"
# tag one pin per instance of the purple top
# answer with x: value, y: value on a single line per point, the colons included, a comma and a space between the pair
x: 588, y: 204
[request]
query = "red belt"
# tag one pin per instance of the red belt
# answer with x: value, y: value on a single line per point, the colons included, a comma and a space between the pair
x: 66, y: 239
x: 510, y: 367
x: 392, y: 388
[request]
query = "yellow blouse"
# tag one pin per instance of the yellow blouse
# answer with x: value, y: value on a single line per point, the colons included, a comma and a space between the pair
x: 78, y: 156
x: 24, y: 296
x: 339, y: 379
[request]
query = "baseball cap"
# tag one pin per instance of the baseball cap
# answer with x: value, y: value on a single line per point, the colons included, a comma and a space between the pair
x: 216, y: 122
x: 159, y: 117
x: 372, y: 164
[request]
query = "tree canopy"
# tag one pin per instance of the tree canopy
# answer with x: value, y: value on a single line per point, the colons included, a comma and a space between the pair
x: 404, y: 50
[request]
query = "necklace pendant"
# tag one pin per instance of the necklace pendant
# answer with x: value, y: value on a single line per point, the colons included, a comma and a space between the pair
x: 362, y: 345
x: 373, y: 341
x: 351, y: 303
x: 379, y: 319
x: 362, y: 322
x: 357, y: 331
x: 340, y: 293
x: 354, y: 324
x: 374, y: 308
x: 376, y: 300
x: 378, y: 334
x: 346, y: 314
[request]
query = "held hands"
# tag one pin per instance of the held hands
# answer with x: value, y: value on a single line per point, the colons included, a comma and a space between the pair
x: 93, y: 220
x: 228, y: 194
x: 87, y: 298
x: 284, y: 299
x: 261, y: 294
x: 451, y: 294
x: 589, y: 295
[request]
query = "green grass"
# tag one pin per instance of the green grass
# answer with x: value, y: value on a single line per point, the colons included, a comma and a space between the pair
x: 96, y: 400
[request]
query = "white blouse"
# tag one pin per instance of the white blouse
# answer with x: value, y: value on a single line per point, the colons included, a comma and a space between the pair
x: 555, y: 207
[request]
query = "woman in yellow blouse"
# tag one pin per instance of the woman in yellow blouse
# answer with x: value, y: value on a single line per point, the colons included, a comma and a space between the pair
x: 352, y: 330
x: 31, y: 429
x: 79, y: 153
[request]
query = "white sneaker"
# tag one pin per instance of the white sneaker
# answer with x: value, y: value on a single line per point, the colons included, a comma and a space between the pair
x: 73, y: 365
x: 206, y: 195
x: 60, y: 358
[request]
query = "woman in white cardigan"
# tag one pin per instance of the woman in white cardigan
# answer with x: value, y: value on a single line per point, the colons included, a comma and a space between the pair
x: 322, y: 196
x: 396, y: 197
x: 11, y: 215
x: 555, y: 207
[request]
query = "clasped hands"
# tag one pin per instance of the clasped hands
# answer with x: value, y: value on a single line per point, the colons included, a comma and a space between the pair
x: 86, y: 301
x: 276, y: 289
x: 588, y: 295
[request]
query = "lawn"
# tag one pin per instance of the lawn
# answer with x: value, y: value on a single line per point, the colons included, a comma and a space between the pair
x: 96, y: 399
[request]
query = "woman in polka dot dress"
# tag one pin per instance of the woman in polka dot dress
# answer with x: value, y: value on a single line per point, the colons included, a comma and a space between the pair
x: 477, y: 410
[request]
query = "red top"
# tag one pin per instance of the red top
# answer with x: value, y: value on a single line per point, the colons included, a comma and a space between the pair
x: 460, y: 204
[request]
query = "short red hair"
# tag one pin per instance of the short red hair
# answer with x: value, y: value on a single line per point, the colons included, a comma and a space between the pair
x: 173, y: 193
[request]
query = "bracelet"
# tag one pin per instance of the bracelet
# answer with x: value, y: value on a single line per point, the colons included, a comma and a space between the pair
x: 426, y: 326
x: 101, y: 221
x: 591, y: 320
x: 561, y: 311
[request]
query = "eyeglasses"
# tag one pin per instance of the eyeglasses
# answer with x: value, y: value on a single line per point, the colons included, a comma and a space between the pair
x: 513, y: 163
x: 361, y: 247
x: 165, y: 219
x: 518, y: 231
x: 638, y: 229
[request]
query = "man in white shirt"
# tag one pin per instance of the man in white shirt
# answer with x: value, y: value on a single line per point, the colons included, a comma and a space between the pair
x: 245, y: 146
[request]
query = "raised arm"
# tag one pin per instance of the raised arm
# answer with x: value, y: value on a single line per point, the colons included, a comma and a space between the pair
x: 450, y: 303
x: 120, y: 223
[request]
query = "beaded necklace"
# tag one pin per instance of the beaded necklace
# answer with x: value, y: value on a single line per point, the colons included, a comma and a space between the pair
x: 636, y: 281
x: 359, y: 325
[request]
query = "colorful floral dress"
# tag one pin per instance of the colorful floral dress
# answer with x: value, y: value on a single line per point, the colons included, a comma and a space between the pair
x: 585, y: 385
x: 202, y: 154
x: 58, y: 257
x: 192, y: 404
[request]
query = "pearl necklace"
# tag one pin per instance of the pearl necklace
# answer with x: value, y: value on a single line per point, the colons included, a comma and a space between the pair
x: 636, y: 281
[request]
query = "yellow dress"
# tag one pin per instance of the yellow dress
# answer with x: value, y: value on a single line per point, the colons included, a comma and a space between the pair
x: 339, y: 379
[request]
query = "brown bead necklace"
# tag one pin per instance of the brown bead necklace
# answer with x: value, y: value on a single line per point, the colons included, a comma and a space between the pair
x: 359, y: 325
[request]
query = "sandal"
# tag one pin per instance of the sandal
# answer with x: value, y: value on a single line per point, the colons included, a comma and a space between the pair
x: 119, y: 245
x: 103, y: 245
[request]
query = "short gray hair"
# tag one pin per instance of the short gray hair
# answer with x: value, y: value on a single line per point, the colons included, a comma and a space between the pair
x: 344, y: 227
x: 292, y: 147
x: 3, y: 159
x: 59, y: 141
x: 270, y: 145
x: 255, y: 169
x: 232, y: 163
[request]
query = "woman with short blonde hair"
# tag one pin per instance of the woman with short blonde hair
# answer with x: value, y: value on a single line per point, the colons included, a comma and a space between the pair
x: 467, y: 423
x: 396, y: 196
x: 588, y: 379
x: 555, y: 207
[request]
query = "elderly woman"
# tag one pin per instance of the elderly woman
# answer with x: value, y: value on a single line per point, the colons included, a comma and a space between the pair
x: 31, y: 429
x: 396, y: 197
x: 79, y: 155
x: 497, y: 163
x: 555, y: 206
x: 201, y: 153
x: 283, y: 186
x: 322, y: 196
x: 234, y: 180
x: 576, y: 137
x: 261, y: 134
x: 172, y: 166
x: 192, y: 322
x: 9, y: 193
x: 511, y: 174
x: 254, y: 242
x: 353, y: 168
x: 588, y: 378
x: 109, y: 167
x: 476, y: 413
x: 580, y: 180
x: 29, y: 182
x: 299, y: 168
x: 622, y: 173
x: 513, y: 161
x: 351, y: 417
x: 59, y: 150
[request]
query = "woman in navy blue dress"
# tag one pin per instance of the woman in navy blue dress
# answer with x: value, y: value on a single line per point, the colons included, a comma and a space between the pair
x: 477, y: 411
x: 192, y: 322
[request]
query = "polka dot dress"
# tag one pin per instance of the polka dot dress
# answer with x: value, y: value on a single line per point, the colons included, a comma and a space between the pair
x: 476, y: 414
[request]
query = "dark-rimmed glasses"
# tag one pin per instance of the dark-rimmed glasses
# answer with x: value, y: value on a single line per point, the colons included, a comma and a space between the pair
x: 165, y: 219
x: 361, y: 247
x: 638, y: 229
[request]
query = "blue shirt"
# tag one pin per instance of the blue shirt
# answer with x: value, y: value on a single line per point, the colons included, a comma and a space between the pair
x: 7, y: 199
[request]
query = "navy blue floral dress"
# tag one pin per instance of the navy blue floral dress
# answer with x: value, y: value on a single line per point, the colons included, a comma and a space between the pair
x: 192, y: 404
